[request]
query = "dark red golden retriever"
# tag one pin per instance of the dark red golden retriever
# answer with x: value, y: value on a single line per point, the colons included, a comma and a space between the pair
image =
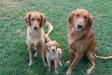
x: 81, y: 38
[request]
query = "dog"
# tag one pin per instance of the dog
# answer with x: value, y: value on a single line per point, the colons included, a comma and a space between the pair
x: 81, y: 39
x: 35, y: 39
x: 53, y: 52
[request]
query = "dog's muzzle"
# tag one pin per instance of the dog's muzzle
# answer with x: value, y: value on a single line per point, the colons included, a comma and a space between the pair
x: 35, y: 28
x: 53, y: 50
x: 79, y: 27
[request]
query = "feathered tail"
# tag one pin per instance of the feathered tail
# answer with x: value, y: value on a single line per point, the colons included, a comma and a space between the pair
x: 103, y: 57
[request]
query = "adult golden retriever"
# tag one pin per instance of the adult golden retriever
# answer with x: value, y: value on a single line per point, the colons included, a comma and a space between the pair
x: 81, y: 39
x: 35, y: 33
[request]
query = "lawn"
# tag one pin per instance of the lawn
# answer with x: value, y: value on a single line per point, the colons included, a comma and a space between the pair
x: 13, y: 52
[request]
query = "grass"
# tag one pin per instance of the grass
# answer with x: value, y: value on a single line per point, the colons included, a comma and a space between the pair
x: 13, y: 52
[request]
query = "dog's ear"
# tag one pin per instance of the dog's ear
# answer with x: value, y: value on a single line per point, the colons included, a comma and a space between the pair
x: 48, y: 46
x: 60, y: 51
x: 43, y: 20
x: 57, y: 44
x: 27, y: 19
x: 90, y: 20
x: 70, y: 18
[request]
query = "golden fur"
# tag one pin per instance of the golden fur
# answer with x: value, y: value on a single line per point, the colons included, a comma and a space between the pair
x: 35, y: 32
x: 52, y: 52
x: 81, y: 39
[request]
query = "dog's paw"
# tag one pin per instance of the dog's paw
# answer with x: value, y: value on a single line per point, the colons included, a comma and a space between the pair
x: 48, y: 69
x: 35, y: 55
x: 56, y: 71
x: 60, y: 64
x: 45, y: 65
x: 68, y: 62
x: 68, y: 72
x: 30, y: 63
x: 89, y: 71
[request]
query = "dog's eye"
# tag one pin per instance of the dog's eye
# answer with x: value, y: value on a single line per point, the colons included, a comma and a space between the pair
x: 38, y: 19
x: 49, y: 46
x: 32, y: 19
x: 85, y: 17
x: 77, y: 15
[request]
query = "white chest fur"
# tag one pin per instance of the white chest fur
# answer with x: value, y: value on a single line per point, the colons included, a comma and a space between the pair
x: 33, y: 37
x: 53, y: 56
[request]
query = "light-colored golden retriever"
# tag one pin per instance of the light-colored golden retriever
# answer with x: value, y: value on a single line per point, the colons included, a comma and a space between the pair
x: 35, y: 33
x: 81, y: 39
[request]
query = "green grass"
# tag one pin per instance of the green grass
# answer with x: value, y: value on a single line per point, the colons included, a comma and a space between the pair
x: 14, y: 53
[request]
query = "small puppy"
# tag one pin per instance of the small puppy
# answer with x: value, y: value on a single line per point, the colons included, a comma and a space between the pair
x: 52, y: 52
x: 35, y: 32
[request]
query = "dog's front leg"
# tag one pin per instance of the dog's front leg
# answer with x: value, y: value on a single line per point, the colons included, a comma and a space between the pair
x: 74, y: 63
x: 60, y: 64
x: 43, y: 59
x: 56, y: 64
x: 30, y: 55
x: 59, y: 58
x: 48, y: 62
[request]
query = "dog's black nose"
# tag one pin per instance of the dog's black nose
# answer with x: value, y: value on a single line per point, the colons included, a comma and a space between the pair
x: 53, y: 50
x: 35, y: 28
x: 79, y: 26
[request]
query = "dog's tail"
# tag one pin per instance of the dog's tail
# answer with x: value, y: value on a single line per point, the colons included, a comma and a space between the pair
x: 50, y: 28
x: 103, y: 57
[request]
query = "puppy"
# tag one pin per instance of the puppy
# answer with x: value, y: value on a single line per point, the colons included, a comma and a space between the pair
x: 52, y: 52
x: 35, y: 39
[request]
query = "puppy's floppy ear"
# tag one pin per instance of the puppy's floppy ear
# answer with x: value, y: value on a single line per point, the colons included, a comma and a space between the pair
x: 57, y: 44
x: 27, y: 19
x: 70, y: 18
x: 90, y: 20
x: 43, y: 20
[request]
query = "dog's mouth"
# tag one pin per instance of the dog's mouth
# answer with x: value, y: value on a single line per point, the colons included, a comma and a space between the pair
x: 77, y: 29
